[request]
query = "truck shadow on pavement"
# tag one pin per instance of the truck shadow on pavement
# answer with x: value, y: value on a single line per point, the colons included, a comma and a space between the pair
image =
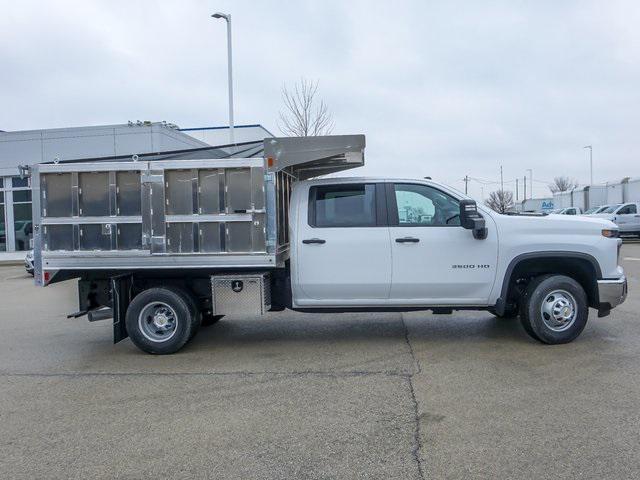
x: 362, y: 327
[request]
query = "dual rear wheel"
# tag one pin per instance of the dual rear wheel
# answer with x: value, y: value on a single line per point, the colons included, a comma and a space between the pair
x: 162, y: 320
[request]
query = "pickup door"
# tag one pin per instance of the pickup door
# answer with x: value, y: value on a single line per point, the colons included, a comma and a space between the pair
x: 435, y: 260
x: 628, y: 219
x: 343, y: 252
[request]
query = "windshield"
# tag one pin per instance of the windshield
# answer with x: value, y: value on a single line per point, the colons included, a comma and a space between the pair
x: 611, y: 208
x: 592, y: 210
x: 557, y: 210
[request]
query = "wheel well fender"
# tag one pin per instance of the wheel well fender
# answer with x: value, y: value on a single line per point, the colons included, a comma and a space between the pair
x: 582, y: 267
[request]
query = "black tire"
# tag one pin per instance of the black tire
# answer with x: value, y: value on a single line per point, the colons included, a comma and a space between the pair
x: 179, y: 303
x: 195, y: 310
x: 536, y: 322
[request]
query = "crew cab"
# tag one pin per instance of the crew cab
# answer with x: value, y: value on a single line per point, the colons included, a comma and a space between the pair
x: 162, y: 245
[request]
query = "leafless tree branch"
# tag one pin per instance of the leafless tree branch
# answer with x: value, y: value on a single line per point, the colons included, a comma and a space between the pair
x: 562, y: 184
x: 302, y: 116
x: 501, y: 201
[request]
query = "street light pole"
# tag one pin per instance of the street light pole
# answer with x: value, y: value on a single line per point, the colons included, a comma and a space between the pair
x: 227, y: 18
x: 590, y: 161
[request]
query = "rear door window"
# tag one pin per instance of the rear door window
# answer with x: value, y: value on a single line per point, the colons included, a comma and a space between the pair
x: 348, y: 205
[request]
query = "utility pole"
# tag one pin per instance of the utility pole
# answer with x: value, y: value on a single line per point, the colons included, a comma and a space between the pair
x: 530, y: 182
x: 516, y: 189
x: 524, y: 187
x: 501, y: 181
x: 466, y: 181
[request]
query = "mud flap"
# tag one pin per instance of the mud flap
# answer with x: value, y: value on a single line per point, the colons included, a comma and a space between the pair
x: 121, y: 297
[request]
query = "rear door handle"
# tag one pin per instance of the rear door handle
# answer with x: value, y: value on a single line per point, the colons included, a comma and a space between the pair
x: 314, y: 240
x: 407, y: 240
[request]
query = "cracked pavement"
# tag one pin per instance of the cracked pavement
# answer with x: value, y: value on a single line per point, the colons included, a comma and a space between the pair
x: 387, y: 396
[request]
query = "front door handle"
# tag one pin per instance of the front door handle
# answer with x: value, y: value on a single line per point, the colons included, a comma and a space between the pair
x: 314, y: 240
x: 407, y: 240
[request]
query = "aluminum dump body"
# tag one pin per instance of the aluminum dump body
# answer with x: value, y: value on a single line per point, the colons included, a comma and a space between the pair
x: 216, y: 213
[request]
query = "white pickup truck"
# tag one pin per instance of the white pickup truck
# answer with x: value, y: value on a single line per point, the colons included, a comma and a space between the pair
x: 159, y: 245
x: 625, y: 215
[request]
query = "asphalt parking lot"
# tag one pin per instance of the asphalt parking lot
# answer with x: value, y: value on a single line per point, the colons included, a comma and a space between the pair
x: 317, y: 396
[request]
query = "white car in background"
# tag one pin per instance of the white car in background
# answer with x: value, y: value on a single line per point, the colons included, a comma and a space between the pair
x: 28, y: 262
x: 625, y: 215
x: 596, y: 210
x: 567, y: 211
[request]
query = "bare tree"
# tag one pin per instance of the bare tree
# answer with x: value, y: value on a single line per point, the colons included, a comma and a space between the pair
x: 501, y: 201
x: 562, y: 184
x: 303, y: 116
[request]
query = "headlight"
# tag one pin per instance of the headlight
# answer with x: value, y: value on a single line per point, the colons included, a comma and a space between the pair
x: 610, y: 233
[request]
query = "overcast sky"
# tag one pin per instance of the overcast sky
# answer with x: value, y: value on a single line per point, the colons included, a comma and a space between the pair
x: 442, y: 89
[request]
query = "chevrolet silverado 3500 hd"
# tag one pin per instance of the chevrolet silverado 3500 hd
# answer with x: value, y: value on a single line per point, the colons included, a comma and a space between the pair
x: 160, y: 242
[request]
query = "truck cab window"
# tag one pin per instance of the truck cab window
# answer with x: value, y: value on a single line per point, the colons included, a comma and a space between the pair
x: 628, y: 209
x: 351, y: 205
x: 421, y: 205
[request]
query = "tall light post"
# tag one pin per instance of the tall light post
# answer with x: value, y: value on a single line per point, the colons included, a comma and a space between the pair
x: 227, y: 18
x: 590, y: 161
x: 530, y: 182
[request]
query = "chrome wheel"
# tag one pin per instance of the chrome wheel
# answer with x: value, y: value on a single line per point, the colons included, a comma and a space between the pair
x: 558, y: 310
x: 158, y: 322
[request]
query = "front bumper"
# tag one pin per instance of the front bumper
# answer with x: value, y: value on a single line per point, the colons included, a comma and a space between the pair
x: 612, y: 292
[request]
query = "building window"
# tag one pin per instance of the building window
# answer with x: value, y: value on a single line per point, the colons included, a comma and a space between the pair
x: 22, y: 220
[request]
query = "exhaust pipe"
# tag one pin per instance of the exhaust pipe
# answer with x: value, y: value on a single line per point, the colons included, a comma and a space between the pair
x: 100, y: 314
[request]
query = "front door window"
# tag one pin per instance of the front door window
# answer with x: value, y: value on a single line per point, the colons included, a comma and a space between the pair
x: 421, y: 205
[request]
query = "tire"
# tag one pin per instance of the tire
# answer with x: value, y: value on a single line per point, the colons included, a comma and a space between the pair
x: 161, y: 320
x: 554, y: 309
x: 195, y: 310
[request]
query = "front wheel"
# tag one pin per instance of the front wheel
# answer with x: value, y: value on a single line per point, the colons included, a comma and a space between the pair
x: 161, y: 320
x: 554, y: 309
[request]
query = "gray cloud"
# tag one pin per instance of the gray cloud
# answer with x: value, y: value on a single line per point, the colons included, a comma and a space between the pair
x: 440, y: 88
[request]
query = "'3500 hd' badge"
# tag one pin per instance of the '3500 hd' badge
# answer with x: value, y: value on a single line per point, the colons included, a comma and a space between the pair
x: 472, y: 266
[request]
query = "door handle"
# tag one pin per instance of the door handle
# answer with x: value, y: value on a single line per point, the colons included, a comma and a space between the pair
x: 314, y: 240
x: 407, y: 240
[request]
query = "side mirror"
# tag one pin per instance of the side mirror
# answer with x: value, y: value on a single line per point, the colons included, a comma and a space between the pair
x: 470, y: 219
